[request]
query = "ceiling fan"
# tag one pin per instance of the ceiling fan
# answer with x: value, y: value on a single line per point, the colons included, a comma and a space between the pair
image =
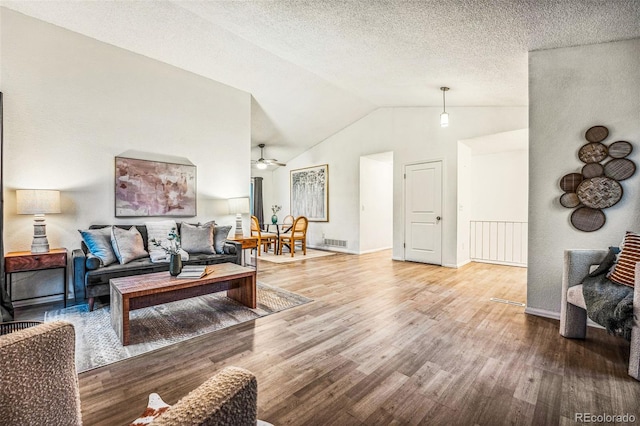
x: 263, y: 163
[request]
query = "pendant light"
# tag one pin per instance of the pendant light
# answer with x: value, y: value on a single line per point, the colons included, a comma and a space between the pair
x: 444, y: 117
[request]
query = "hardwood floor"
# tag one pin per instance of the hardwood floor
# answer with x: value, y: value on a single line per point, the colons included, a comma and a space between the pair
x: 388, y: 343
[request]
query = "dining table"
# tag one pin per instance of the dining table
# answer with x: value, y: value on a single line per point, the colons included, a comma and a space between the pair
x: 280, y: 228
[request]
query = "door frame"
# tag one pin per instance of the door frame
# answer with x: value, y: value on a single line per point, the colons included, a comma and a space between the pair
x: 404, y: 203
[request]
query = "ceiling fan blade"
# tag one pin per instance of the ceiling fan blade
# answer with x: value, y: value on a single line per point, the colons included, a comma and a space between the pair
x: 274, y: 162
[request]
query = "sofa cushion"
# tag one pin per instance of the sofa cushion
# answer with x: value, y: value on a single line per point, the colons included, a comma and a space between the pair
x: 127, y: 244
x: 98, y: 241
x: 197, y: 238
x: 623, y: 271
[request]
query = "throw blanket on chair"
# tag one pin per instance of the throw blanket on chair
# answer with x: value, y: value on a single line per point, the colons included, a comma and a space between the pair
x: 609, y: 304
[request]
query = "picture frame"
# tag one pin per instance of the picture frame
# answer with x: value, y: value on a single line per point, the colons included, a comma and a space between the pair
x: 310, y: 193
x: 145, y: 188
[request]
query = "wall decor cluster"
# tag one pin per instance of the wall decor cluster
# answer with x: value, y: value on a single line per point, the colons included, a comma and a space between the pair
x: 310, y: 193
x: 154, y: 188
x: 597, y: 186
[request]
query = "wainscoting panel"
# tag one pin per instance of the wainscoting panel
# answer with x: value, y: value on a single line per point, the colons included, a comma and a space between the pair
x: 501, y: 242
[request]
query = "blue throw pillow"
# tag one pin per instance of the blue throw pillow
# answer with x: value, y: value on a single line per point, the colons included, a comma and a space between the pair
x: 98, y: 242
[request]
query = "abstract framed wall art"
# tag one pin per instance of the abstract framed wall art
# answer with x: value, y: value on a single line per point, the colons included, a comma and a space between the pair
x: 154, y: 188
x: 310, y: 193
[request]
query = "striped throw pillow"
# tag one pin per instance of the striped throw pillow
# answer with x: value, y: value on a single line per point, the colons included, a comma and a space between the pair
x: 623, y: 271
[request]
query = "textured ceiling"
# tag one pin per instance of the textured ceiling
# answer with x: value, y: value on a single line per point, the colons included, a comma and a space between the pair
x: 314, y: 67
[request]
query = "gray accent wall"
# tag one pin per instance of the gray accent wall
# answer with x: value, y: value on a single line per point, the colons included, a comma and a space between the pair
x: 570, y: 90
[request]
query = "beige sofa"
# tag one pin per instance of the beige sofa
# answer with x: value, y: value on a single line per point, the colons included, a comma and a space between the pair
x: 39, y: 385
x: 573, y: 313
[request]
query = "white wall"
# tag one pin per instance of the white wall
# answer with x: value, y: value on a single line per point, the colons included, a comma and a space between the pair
x: 376, y: 202
x: 464, y: 202
x: 72, y: 104
x: 413, y: 134
x: 500, y: 186
x: 570, y: 90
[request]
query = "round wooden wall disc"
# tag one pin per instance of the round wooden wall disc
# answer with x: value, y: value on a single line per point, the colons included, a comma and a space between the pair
x: 620, y: 149
x: 619, y: 169
x: 593, y: 152
x: 592, y: 170
x: 587, y: 219
x: 599, y: 192
x: 570, y: 182
x: 569, y: 200
x: 596, y: 134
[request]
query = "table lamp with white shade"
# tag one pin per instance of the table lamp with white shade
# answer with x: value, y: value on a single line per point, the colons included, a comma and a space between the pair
x: 239, y: 206
x: 38, y: 202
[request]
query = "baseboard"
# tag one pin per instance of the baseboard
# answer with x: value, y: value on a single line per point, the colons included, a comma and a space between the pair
x: 555, y: 315
x: 37, y: 301
x: 496, y: 262
x: 542, y: 313
x: 375, y: 250
x: 461, y: 264
x: 450, y: 265
x: 333, y: 249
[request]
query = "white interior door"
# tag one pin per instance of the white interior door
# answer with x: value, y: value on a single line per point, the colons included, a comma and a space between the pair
x: 423, y: 211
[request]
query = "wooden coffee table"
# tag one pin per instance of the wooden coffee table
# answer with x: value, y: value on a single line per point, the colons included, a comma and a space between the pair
x: 141, y: 291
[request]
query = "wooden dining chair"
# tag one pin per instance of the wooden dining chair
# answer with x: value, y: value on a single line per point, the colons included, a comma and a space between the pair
x: 287, y: 223
x: 298, y: 233
x: 264, y: 238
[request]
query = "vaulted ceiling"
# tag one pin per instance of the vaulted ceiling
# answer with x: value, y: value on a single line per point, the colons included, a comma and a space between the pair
x: 314, y: 67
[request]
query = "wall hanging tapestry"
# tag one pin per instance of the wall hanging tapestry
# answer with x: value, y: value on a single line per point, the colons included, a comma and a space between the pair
x: 597, y: 186
x: 154, y: 188
x: 310, y: 193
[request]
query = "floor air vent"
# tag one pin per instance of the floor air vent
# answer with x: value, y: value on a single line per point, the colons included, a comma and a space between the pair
x: 508, y: 302
x: 335, y: 243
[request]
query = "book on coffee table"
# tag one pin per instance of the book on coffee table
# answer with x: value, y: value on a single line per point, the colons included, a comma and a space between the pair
x: 195, y: 271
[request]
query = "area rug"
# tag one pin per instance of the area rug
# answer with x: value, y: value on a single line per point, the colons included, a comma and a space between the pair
x: 155, y: 327
x: 298, y: 256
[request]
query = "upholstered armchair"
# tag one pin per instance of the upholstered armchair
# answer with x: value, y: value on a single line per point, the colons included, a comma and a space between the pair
x: 39, y: 385
x: 573, y: 314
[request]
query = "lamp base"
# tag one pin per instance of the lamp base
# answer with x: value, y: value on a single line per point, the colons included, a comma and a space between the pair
x: 39, y: 246
x: 40, y: 243
x: 238, y: 233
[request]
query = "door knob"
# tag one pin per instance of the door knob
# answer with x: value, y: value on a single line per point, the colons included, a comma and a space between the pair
x: 437, y: 217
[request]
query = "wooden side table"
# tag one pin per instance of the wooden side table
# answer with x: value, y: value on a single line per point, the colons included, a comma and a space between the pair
x: 248, y: 243
x: 25, y: 261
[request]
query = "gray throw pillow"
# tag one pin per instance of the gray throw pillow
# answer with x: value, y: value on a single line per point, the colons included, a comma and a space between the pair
x: 220, y: 234
x: 197, y: 238
x: 127, y: 244
x: 98, y: 241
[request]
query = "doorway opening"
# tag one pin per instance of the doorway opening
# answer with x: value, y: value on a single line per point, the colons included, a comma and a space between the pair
x: 493, y: 194
x: 376, y: 202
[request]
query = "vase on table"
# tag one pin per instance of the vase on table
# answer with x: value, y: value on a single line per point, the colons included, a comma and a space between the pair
x: 175, y: 264
x: 274, y: 219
